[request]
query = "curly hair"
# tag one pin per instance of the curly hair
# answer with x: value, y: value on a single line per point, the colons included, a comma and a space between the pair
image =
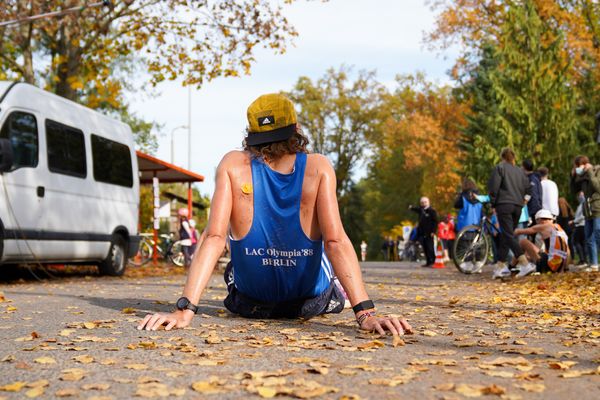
x: 297, y: 143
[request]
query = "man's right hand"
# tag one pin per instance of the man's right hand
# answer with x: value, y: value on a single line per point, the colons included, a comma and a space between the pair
x: 176, y: 319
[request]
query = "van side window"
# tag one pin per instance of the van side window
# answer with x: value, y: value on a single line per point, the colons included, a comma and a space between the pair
x: 66, y: 149
x: 21, y: 129
x: 112, y: 162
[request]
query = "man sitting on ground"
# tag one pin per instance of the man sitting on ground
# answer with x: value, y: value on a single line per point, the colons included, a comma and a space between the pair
x: 278, y: 206
x: 555, y: 256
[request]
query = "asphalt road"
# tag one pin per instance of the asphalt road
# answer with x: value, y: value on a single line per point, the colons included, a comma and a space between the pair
x: 75, y: 337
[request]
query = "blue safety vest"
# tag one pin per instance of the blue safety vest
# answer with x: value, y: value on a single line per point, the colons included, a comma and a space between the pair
x: 276, y: 261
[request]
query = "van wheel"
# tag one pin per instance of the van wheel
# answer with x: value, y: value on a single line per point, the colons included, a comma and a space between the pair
x: 114, y: 264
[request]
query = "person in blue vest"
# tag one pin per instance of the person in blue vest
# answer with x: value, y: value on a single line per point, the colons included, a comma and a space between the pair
x: 468, y: 206
x: 279, y: 207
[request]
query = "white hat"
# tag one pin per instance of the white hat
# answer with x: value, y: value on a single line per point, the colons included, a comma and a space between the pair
x: 544, y: 214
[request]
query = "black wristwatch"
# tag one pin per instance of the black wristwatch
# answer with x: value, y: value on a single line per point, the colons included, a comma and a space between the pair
x: 185, y: 304
x: 363, y: 305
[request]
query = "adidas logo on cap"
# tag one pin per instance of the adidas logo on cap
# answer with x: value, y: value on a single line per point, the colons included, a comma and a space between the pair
x: 266, y: 121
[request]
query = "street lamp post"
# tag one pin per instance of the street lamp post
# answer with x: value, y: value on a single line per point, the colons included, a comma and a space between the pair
x: 172, y: 143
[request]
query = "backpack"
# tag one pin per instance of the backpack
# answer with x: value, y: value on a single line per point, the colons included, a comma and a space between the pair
x: 558, y: 249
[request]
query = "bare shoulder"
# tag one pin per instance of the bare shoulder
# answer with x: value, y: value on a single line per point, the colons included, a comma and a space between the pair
x: 233, y: 159
x: 320, y: 164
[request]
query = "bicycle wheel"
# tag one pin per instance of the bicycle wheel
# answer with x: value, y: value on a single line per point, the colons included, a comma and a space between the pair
x: 143, y: 255
x: 471, y: 248
x: 176, y: 254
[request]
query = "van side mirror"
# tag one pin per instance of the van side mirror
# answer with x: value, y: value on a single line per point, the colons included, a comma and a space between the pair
x: 6, y: 155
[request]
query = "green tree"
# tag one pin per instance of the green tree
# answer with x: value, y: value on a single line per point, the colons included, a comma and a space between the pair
x: 522, y: 97
x: 339, y: 116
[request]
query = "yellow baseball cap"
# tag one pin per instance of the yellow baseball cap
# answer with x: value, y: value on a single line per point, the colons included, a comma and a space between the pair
x: 271, y: 118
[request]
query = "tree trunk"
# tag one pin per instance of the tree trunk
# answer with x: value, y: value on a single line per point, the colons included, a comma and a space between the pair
x: 69, y: 67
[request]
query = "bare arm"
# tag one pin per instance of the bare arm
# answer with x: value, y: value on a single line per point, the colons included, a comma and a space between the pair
x: 203, y: 263
x: 343, y: 258
x: 530, y: 231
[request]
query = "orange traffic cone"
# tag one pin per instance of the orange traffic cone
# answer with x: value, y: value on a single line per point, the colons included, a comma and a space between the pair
x: 439, y: 256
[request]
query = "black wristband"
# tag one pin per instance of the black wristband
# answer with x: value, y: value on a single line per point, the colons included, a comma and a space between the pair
x: 363, y: 305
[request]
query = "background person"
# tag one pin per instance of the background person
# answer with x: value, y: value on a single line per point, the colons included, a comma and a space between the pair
x: 428, y: 221
x: 579, y: 233
x: 509, y: 189
x: 565, y: 219
x: 469, y: 208
x: 536, y: 192
x: 585, y: 179
x: 555, y: 255
x: 549, y: 193
x: 185, y: 235
x: 363, y: 251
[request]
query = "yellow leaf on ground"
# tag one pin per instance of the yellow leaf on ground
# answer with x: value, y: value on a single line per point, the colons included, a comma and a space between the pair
x: 72, y: 374
x: 96, y: 386
x: 13, y: 387
x: 578, y: 373
x: 128, y: 310
x: 397, y: 341
x: 136, y: 367
x: 84, y: 359
x: 35, y: 392
x: 68, y: 392
x: 40, y: 383
x: 266, y: 392
x: 89, y: 325
x: 45, y: 360
x: 469, y: 390
x: 564, y: 365
x: 532, y: 387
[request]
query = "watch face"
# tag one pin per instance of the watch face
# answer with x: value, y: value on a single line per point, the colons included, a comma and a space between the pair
x: 182, y: 303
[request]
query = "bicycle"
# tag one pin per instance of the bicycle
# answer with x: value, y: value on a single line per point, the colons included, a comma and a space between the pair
x: 472, y: 246
x: 168, y: 249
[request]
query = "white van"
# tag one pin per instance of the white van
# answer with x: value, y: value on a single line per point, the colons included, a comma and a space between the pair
x: 69, y: 187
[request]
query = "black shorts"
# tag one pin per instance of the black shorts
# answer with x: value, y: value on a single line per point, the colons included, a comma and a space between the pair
x: 331, y: 301
x: 542, y: 264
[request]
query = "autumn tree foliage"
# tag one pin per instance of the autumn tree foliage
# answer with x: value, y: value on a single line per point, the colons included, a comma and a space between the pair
x: 339, y: 115
x: 418, y: 152
x: 96, y: 55
x: 529, y: 70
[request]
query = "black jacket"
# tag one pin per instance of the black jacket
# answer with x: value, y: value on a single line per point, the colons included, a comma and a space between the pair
x: 428, y: 220
x: 508, y: 185
x: 535, y: 203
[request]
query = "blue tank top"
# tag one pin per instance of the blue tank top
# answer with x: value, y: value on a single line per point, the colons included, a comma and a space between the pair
x: 276, y: 261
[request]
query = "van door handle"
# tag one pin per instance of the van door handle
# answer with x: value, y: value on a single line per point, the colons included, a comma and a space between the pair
x: 41, y: 191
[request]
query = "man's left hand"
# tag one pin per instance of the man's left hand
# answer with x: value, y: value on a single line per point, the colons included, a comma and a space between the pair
x: 395, y: 325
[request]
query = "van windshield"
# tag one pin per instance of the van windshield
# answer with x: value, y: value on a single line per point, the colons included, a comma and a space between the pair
x: 21, y: 129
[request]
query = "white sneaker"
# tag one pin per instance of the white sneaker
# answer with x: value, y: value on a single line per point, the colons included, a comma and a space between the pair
x: 594, y: 267
x: 501, y: 271
x: 467, y: 267
x: 478, y: 267
x: 526, y: 270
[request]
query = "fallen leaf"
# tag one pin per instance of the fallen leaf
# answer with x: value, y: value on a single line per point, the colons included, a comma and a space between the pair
x: 469, y: 390
x: 45, y: 360
x: 35, y: 392
x: 72, y: 374
x: 532, y: 387
x: 397, y: 341
x: 84, y: 359
x: 13, y: 387
x: 96, y: 386
x: 128, y: 310
x: 137, y: 367
x: 266, y: 392
x: 68, y: 392
x: 563, y: 365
